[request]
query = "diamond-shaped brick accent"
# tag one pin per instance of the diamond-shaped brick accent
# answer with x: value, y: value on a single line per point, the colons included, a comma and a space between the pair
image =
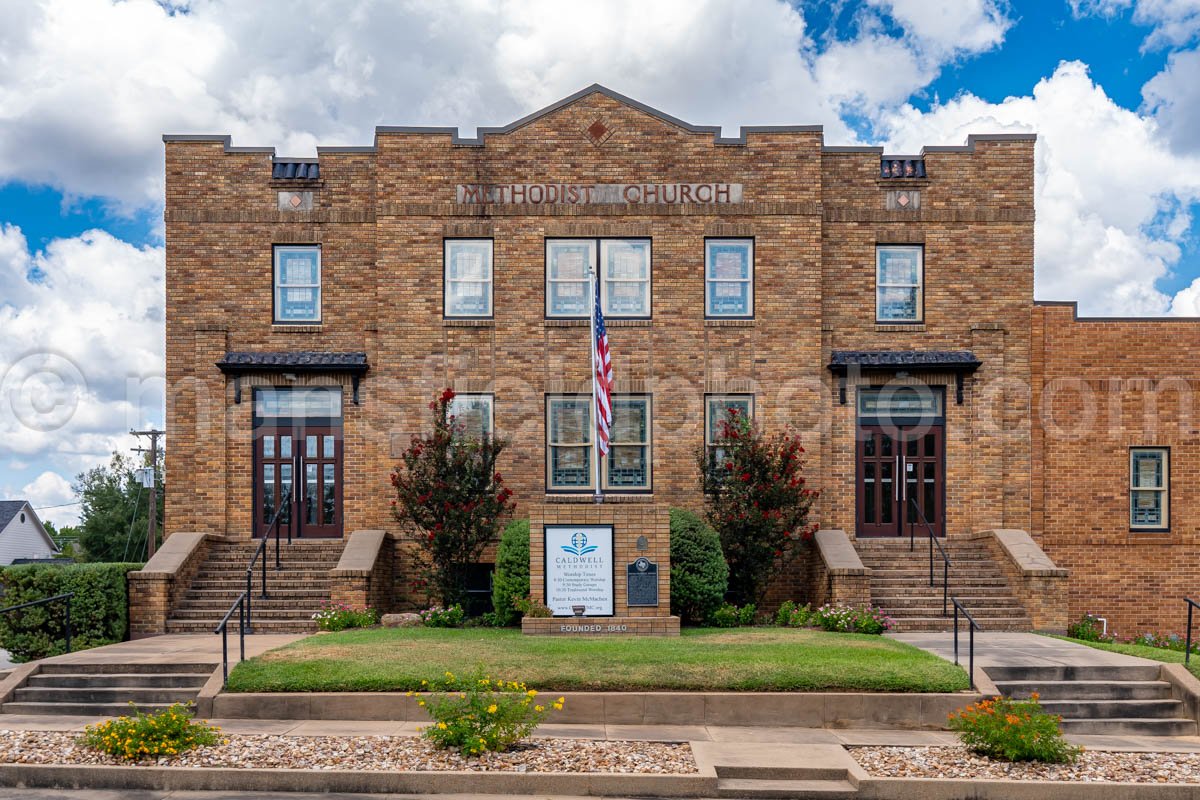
x: 598, y: 132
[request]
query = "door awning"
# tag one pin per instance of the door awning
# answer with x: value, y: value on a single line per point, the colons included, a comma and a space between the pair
x: 958, y: 362
x: 238, y: 363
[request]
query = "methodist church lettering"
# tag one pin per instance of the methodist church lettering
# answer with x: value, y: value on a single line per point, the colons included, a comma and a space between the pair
x: 601, y: 193
x: 579, y: 569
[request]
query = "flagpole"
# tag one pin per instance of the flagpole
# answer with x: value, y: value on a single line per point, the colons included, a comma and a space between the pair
x: 598, y: 497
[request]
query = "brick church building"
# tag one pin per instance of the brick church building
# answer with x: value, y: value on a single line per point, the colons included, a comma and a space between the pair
x: 879, y: 304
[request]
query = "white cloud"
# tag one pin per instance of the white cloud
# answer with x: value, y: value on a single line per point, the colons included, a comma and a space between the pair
x: 1173, y: 96
x: 80, y: 319
x: 1112, y: 197
x: 50, y: 493
x: 1174, y: 22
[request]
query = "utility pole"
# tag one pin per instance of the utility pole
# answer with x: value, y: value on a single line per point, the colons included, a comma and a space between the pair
x: 152, y: 517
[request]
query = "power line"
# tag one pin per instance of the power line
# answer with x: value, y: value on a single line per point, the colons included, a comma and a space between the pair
x: 60, y: 505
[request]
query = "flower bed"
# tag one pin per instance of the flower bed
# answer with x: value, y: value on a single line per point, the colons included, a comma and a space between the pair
x: 368, y: 753
x: 1092, y: 766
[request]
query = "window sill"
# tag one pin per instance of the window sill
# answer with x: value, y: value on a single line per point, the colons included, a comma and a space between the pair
x: 568, y: 323
x: 468, y: 323
x: 628, y: 323
x: 729, y: 323
x: 899, y: 327
x: 902, y: 183
x: 590, y: 498
x: 307, y: 327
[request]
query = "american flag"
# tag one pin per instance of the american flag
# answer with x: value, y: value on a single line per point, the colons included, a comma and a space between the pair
x: 604, y: 379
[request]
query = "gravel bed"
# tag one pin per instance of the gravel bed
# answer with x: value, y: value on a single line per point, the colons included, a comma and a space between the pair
x: 1093, y: 766
x: 369, y: 753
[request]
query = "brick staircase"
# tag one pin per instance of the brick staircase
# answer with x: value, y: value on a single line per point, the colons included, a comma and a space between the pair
x: 105, y: 690
x: 900, y: 585
x: 295, y: 591
x: 1109, y: 700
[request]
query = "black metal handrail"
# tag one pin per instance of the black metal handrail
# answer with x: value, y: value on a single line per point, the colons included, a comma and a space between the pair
x: 933, y: 540
x: 45, y: 600
x: 260, y: 552
x: 1187, y: 649
x: 242, y: 606
x: 974, y: 626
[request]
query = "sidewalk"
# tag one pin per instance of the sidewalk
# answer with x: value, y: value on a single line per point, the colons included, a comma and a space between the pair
x: 1006, y: 649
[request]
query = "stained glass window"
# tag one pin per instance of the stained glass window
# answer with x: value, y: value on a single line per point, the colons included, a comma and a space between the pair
x: 729, y: 277
x: 1149, y: 488
x: 898, y: 276
x: 468, y: 276
x: 298, y: 283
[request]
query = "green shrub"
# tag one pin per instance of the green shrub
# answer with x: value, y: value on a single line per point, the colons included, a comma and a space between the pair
x: 1089, y: 629
x: 528, y: 607
x: 438, y: 617
x: 339, y: 616
x: 167, y: 733
x: 792, y: 615
x: 1013, y: 730
x: 477, y: 715
x: 99, y: 610
x: 731, y: 616
x: 848, y: 619
x: 512, y: 571
x: 699, y: 574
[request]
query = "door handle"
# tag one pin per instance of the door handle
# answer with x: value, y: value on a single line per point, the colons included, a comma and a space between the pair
x: 896, y: 484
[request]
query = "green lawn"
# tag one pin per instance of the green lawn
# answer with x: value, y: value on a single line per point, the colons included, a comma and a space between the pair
x: 759, y: 659
x: 1140, y: 650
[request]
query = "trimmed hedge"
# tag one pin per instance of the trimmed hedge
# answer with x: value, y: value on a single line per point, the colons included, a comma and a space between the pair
x: 512, y: 571
x: 699, y: 574
x: 99, y: 609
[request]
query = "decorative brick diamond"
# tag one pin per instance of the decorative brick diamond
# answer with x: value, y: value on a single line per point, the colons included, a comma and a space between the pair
x: 296, y: 201
x: 902, y: 199
x: 598, y: 132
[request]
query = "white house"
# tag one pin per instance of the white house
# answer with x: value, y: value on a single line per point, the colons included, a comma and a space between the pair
x: 22, y: 534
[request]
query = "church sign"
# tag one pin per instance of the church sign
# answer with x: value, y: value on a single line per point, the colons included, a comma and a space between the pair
x: 599, y: 193
x: 579, y: 569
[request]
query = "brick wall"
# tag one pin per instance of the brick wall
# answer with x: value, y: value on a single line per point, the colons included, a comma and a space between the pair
x: 1100, y: 388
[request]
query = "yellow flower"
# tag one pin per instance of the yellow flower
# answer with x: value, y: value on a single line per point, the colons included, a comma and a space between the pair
x: 492, y: 708
x: 539, y: 709
x: 532, y: 693
x: 441, y: 726
x: 421, y: 702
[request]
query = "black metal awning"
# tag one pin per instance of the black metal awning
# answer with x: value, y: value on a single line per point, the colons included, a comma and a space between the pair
x: 959, y: 362
x: 238, y: 363
x: 841, y: 361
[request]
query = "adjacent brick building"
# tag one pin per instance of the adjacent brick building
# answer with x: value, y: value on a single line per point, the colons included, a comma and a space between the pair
x: 879, y: 304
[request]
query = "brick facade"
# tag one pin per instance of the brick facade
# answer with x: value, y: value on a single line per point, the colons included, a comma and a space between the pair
x: 815, y: 213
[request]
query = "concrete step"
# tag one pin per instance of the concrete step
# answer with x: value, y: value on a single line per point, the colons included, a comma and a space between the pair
x: 221, y: 603
x: 71, y: 668
x: 238, y: 585
x: 935, y: 610
x: 797, y: 789
x: 92, y: 695
x: 1129, y: 727
x: 1121, y: 673
x: 958, y: 581
x: 257, y: 613
x: 1087, y: 690
x: 977, y: 605
x: 165, y: 680
x: 258, y: 626
x: 939, y: 623
x: 902, y: 591
x: 1115, y: 709
x: 81, y: 709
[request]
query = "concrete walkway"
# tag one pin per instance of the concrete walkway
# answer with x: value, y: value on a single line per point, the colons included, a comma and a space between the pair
x: 1004, y: 649
x: 175, y: 649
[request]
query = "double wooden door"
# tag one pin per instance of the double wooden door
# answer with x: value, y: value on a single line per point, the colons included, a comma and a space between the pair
x: 299, y: 468
x: 899, y: 468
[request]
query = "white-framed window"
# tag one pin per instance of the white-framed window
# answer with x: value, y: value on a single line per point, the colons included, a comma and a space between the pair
x: 716, y: 410
x: 1149, y: 488
x: 570, y: 439
x: 297, y: 283
x: 624, y: 270
x: 729, y: 278
x: 899, y: 289
x: 468, y: 277
x: 474, y: 414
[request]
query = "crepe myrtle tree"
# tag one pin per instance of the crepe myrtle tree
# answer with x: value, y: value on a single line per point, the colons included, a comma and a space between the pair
x: 757, y: 501
x: 450, y: 497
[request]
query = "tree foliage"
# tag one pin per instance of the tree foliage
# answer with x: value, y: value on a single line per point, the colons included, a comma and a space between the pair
x: 699, y: 574
x: 113, y: 509
x: 756, y: 499
x: 450, y: 497
x: 512, y: 571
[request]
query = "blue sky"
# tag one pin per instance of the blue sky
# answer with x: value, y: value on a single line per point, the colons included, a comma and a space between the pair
x: 87, y: 87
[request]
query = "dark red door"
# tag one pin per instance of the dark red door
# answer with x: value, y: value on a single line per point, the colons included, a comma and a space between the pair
x: 299, y: 468
x: 896, y: 467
